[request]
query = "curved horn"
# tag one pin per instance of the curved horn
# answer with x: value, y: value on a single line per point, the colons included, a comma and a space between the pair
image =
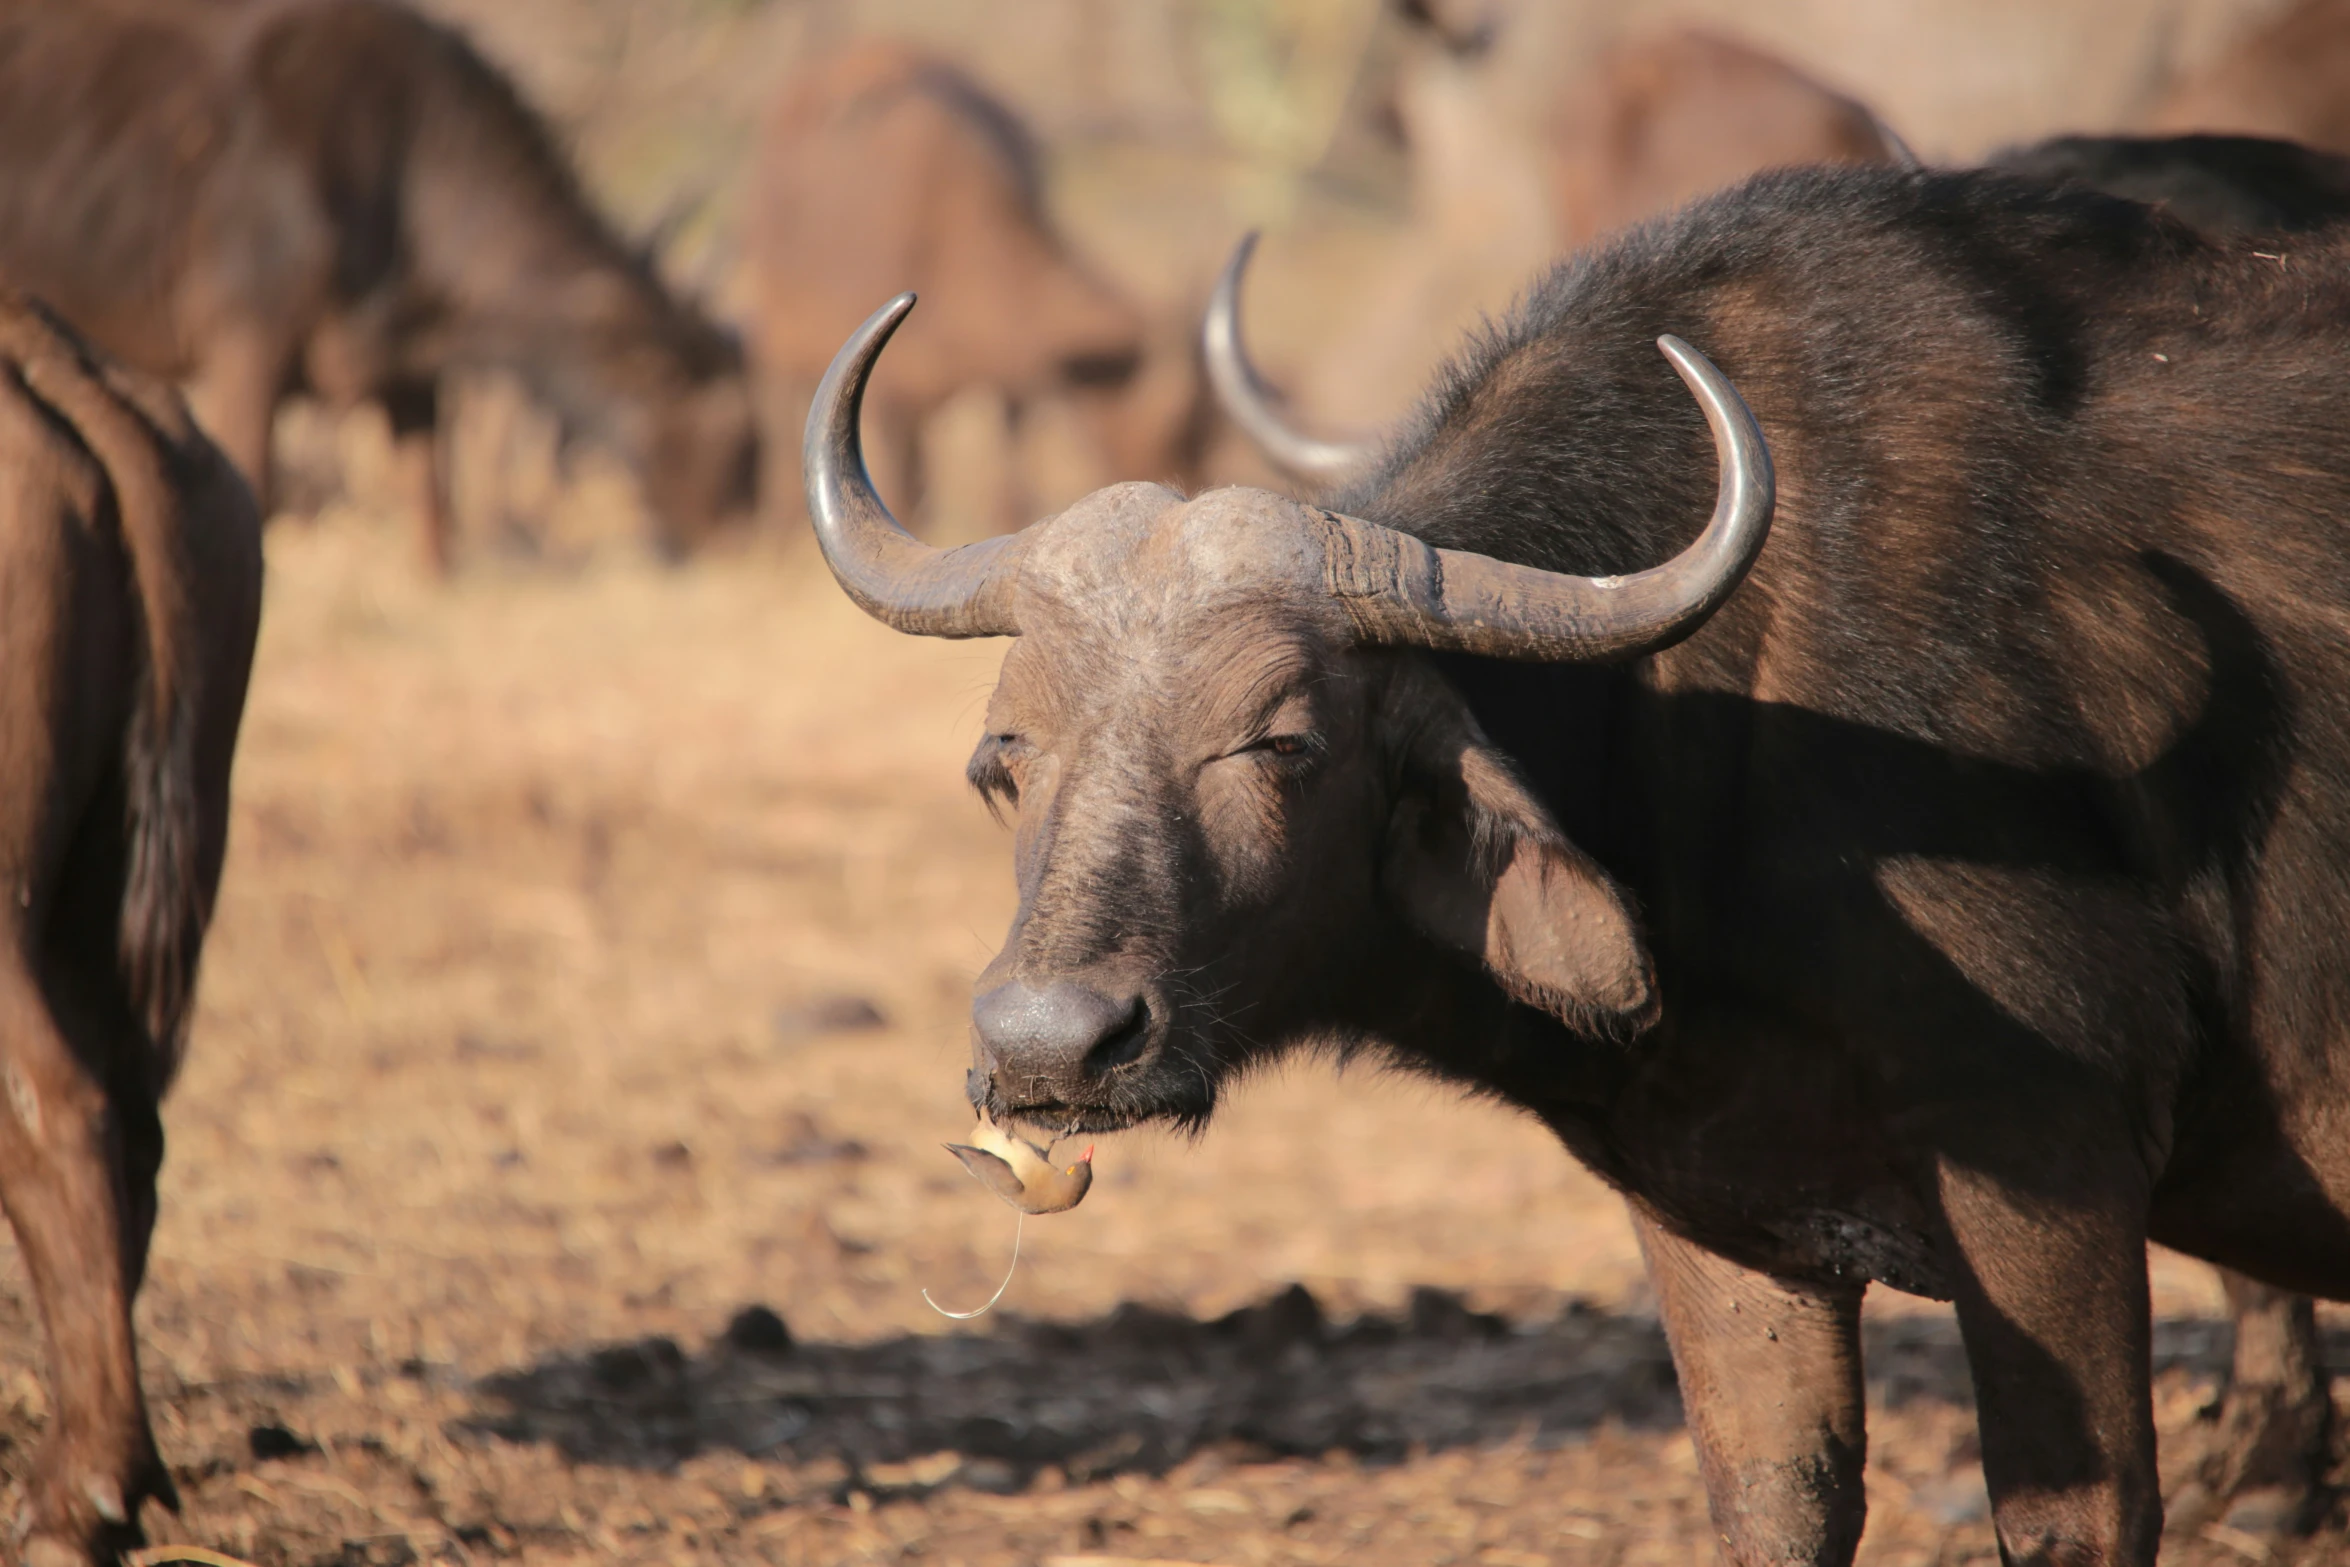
x: 1399, y: 589
x: 1897, y: 152
x: 893, y: 576
x: 1249, y: 402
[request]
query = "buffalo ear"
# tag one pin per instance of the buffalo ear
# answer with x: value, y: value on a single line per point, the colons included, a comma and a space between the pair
x: 1475, y: 863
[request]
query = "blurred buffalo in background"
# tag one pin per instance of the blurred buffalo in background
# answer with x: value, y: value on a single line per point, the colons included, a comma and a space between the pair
x: 1661, y: 117
x: 260, y: 197
x: 1670, y: 116
x: 885, y: 166
x: 2289, y: 79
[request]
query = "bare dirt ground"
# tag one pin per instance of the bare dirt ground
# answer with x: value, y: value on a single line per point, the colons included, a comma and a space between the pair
x: 591, y: 968
x: 555, y: 1174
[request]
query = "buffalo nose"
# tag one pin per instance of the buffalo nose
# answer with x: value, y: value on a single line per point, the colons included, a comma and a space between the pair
x: 1055, y: 1037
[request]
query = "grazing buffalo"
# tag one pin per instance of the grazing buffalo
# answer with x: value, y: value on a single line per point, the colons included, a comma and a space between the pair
x: 130, y: 588
x: 259, y: 196
x: 1947, y: 895
x: 886, y: 161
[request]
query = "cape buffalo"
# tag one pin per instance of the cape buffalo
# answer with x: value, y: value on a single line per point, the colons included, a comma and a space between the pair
x: 257, y: 196
x: 886, y: 161
x: 2268, y: 1450
x: 1947, y: 896
x: 130, y: 588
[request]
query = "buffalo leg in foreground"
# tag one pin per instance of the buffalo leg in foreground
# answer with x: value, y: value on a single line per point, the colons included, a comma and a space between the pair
x: 129, y: 592
x: 1771, y: 1379
x: 79, y: 1213
x: 2053, y: 1305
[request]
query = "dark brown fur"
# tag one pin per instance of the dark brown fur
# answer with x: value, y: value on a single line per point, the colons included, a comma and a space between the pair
x: 2260, y: 1458
x: 130, y: 575
x: 259, y: 196
x: 2223, y: 185
x: 1958, y: 910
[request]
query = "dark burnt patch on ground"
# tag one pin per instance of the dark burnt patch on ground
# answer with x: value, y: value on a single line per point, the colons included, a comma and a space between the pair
x: 1137, y: 1390
x: 1142, y: 1389
x: 1275, y: 1434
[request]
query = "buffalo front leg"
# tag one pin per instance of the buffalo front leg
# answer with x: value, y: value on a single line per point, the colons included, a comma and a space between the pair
x: 2052, y: 1303
x: 1771, y: 1380
x: 414, y: 411
x: 2263, y: 1459
x: 66, y: 1183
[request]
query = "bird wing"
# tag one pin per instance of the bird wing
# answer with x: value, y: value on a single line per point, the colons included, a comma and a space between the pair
x: 990, y: 1171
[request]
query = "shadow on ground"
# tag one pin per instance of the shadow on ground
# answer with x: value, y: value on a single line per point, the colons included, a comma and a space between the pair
x: 1137, y: 1389
x: 1142, y: 1389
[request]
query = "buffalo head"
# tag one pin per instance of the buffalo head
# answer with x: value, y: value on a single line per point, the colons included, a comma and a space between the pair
x: 1240, y: 796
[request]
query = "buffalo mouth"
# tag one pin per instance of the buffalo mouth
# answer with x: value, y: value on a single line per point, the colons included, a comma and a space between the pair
x: 1059, y: 1118
x: 1072, y: 1120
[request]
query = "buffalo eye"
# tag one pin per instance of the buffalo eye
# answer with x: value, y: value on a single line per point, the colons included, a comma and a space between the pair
x: 1297, y: 747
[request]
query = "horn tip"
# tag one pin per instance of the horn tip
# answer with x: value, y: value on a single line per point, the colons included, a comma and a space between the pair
x: 1683, y: 355
x: 1241, y: 252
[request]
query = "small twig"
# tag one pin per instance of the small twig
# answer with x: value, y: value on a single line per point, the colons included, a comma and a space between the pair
x: 155, y: 1554
x: 966, y: 1316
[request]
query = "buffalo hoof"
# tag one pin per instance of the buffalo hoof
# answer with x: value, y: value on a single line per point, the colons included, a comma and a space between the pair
x: 79, y: 1515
